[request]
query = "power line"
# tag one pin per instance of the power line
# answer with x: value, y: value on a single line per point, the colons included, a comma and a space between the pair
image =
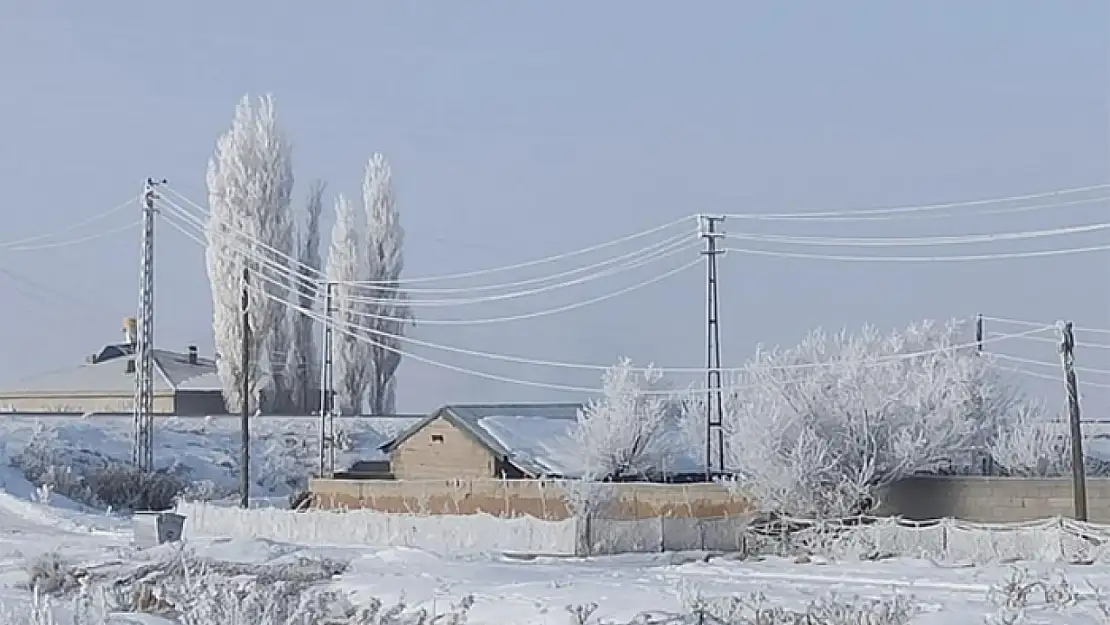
x: 531, y: 315
x: 1056, y: 342
x: 74, y: 241
x: 504, y: 268
x: 1030, y: 324
x: 352, y: 330
x: 69, y: 228
x: 1008, y: 210
x: 672, y: 247
x: 1030, y: 361
x: 919, y: 241
x: 630, y: 260
x: 898, y: 210
x: 923, y: 259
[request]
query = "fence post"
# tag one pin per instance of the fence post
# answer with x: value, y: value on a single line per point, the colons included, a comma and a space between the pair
x: 662, y: 534
x: 1060, y: 537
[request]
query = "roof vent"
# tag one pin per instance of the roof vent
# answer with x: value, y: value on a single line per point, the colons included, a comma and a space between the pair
x: 193, y: 355
x: 130, y: 367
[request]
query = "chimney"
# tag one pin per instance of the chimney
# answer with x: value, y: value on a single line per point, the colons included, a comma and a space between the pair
x: 131, y: 331
x: 193, y: 354
x: 130, y: 367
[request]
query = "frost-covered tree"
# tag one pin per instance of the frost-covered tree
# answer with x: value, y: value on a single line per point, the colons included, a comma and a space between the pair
x: 387, y: 306
x: 346, y: 264
x: 1031, y: 444
x: 818, y: 429
x: 305, y: 357
x: 250, y: 181
x: 622, y: 434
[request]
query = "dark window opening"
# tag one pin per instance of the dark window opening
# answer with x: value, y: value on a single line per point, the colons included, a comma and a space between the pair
x: 437, y: 438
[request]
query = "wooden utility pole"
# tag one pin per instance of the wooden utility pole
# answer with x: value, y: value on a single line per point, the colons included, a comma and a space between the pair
x: 1078, y: 473
x: 244, y: 404
x: 986, y: 460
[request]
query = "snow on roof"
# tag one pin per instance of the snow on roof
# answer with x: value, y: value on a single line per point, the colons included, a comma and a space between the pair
x: 108, y: 374
x: 538, y: 445
x: 537, y: 438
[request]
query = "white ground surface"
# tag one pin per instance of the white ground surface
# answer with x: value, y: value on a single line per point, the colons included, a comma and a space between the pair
x: 519, y: 592
x: 507, y: 591
x: 206, y: 447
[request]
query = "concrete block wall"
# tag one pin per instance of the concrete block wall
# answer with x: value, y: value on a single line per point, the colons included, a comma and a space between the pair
x: 537, y: 498
x: 993, y: 499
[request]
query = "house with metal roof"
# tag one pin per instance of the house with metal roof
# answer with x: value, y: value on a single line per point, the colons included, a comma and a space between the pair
x: 474, y: 441
x: 184, y: 384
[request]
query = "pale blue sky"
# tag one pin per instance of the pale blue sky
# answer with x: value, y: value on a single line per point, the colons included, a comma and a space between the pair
x: 522, y: 128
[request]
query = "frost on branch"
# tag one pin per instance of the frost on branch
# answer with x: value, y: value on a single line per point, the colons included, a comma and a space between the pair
x: 1031, y: 444
x: 817, y: 429
x: 352, y: 353
x: 386, y: 305
x: 304, y: 359
x: 250, y: 180
x: 622, y: 434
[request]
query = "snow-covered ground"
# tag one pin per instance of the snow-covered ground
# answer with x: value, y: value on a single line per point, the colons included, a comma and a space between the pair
x: 205, y: 451
x: 516, y: 591
x: 506, y: 590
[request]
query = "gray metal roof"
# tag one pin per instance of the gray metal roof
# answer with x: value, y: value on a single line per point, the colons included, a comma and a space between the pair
x: 467, y: 418
x: 107, y: 374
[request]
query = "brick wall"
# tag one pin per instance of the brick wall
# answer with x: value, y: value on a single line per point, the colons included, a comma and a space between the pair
x: 993, y: 499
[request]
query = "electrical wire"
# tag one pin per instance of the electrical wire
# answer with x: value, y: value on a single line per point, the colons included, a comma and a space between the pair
x: 345, y: 329
x: 531, y: 315
x: 1017, y: 322
x: 1030, y: 361
x: 76, y: 241
x: 1044, y: 376
x: 1059, y: 324
x: 922, y: 259
x: 380, y: 335
x: 1009, y: 210
x: 918, y: 241
x: 19, y: 243
x: 653, y: 253
x: 1078, y: 345
x: 504, y: 268
x: 899, y: 210
x: 537, y: 362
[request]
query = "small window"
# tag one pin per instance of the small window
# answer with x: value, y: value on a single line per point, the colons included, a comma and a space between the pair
x: 437, y: 438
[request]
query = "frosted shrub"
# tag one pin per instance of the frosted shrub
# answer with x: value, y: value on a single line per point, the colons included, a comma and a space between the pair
x: 88, y: 477
x: 50, y: 574
x: 622, y: 434
x: 756, y: 609
x: 816, y: 430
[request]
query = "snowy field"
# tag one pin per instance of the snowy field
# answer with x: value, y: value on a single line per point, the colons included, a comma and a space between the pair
x: 203, y: 451
x: 497, y: 589
x: 511, y: 591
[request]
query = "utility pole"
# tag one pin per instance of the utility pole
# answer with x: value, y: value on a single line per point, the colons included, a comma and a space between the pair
x: 1078, y: 471
x: 327, y: 396
x: 142, y: 454
x: 714, y: 405
x: 987, y: 461
x: 979, y: 333
x: 244, y: 402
